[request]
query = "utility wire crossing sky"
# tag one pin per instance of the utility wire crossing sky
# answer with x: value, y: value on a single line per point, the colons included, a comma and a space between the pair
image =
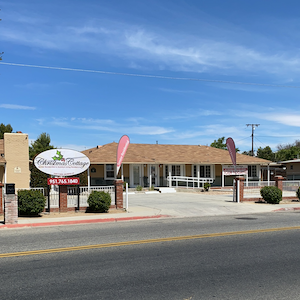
x: 176, y: 72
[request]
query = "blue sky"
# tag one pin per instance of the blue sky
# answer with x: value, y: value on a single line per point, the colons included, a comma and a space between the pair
x: 204, y: 70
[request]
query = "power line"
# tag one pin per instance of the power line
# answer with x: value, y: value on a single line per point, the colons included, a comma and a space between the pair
x: 151, y: 76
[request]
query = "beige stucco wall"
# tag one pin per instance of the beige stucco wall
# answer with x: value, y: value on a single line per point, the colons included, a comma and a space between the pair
x: 16, y: 151
x: 293, y: 172
x: 188, y: 170
x: 126, y: 170
x: 99, y: 171
x: 218, y: 170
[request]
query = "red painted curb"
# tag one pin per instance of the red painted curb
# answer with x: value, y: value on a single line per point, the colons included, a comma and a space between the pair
x: 287, y: 208
x: 73, y: 222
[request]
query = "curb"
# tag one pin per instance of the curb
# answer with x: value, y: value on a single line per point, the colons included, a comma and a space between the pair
x: 74, y: 222
x: 287, y: 209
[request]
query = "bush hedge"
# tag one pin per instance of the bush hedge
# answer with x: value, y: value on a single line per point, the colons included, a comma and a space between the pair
x: 298, y: 193
x: 99, y: 201
x: 30, y: 202
x: 271, y: 194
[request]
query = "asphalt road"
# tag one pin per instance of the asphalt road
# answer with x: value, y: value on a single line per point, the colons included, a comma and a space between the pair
x: 260, y: 264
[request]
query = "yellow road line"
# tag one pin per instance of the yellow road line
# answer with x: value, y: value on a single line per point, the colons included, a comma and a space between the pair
x: 149, y: 241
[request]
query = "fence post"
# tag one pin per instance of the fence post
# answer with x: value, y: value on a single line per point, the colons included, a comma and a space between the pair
x: 1, y: 198
x: 63, y: 198
x: 10, y: 209
x: 279, y: 182
x: 119, y: 193
x: 240, y: 182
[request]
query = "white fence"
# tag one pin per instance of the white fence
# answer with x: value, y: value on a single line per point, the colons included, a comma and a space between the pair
x: 289, y: 188
x: 252, y: 190
x: 188, y: 181
x: 84, y: 193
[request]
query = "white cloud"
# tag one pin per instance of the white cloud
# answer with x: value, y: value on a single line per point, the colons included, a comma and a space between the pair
x: 111, y: 126
x: 15, y: 106
x: 289, y: 119
x: 151, y: 47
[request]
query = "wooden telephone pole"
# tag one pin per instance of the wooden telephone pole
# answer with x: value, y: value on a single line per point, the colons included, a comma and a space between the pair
x: 252, y: 135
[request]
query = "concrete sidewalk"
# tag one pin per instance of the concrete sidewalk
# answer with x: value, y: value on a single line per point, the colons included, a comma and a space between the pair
x: 153, y: 206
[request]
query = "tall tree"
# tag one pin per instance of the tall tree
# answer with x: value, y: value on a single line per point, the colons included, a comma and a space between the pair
x: 5, y: 129
x: 266, y: 153
x: 288, y: 151
x: 42, y: 143
x: 221, y: 144
x: 287, y: 154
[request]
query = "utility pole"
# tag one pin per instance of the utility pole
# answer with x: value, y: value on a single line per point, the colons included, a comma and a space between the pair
x: 252, y: 135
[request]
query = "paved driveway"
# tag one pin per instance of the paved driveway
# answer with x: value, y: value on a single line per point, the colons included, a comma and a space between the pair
x: 191, y: 204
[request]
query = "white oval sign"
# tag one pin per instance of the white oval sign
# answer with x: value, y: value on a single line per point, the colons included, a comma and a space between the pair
x: 62, y: 162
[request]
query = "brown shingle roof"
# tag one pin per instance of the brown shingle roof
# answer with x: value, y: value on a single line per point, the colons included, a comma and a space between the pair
x: 2, y: 160
x: 168, y: 154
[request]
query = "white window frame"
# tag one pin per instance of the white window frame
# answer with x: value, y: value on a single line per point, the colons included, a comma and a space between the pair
x: 212, y: 171
x: 257, y: 171
x: 182, y: 170
x: 105, y: 171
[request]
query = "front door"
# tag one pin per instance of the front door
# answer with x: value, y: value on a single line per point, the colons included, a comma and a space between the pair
x: 135, y: 178
x: 153, y: 172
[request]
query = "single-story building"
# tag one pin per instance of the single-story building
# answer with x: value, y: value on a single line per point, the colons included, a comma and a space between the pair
x: 14, y: 160
x: 292, y: 169
x: 160, y: 165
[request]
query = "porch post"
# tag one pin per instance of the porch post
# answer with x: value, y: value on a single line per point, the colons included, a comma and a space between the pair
x: 222, y: 176
x: 268, y: 175
x: 89, y: 180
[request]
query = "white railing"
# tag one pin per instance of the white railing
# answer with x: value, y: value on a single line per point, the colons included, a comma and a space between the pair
x: 198, y: 181
x: 54, y: 199
x: 290, y: 185
x: 259, y: 184
x: 85, y: 192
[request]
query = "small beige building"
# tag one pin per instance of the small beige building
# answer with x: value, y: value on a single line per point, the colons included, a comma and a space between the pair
x: 292, y: 169
x: 14, y: 160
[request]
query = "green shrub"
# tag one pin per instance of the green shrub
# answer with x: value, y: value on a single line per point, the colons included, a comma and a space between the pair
x: 139, y: 188
x: 99, y: 201
x: 31, y: 202
x: 298, y: 193
x: 271, y: 194
x: 206, y: 186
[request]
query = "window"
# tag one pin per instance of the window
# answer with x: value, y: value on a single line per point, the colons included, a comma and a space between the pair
x: 205, y: 171
x: 252, y: 171
x: 175, y: 170
x: 110, y: 171
x: 292, y: 167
